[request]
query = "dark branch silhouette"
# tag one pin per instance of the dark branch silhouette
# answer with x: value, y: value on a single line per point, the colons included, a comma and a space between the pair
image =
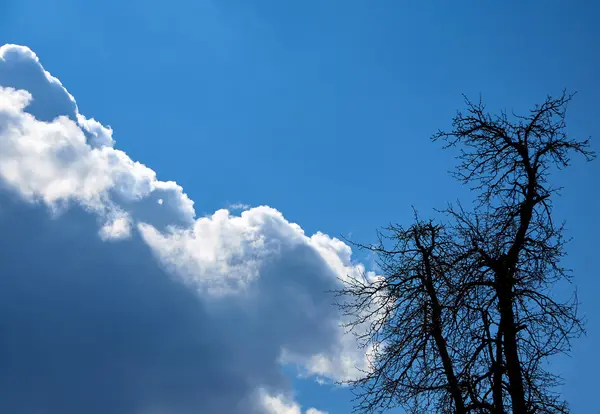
x: 464, y: 318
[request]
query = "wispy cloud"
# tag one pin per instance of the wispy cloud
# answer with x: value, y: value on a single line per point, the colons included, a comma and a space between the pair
x: 239, y: 206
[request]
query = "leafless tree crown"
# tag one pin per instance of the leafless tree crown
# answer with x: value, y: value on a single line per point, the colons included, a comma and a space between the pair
x: 464, y: 318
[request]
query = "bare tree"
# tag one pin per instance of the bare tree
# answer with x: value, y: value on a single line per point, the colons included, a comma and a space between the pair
x: 464, y: 318
x: 429, y: 323
x: 407, y: 324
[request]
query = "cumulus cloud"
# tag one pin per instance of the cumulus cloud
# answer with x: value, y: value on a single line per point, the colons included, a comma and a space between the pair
x: 46, y: 153
x: 20, y: 69
x: 280, y: 404
x: 133, y: 304
x: 116, y: 228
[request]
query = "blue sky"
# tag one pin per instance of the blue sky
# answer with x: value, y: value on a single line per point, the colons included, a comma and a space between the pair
x: 321, y: 110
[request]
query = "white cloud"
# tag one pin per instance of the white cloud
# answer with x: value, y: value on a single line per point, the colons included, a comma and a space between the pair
x: 315, y: 411
x: 53, y: 163
x: 117, y: 228
x: 217, y: 254
x: 280, y: 404
x: 223, y: 254
x: 239, y: 206
x: 256, y: 260
x: 16, y: 60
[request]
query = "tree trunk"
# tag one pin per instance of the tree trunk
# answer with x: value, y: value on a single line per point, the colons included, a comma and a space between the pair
x: 438, y: 335
x: 511, y: 353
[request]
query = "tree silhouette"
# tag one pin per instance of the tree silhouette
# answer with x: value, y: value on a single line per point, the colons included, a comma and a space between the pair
x: 464, y: 318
